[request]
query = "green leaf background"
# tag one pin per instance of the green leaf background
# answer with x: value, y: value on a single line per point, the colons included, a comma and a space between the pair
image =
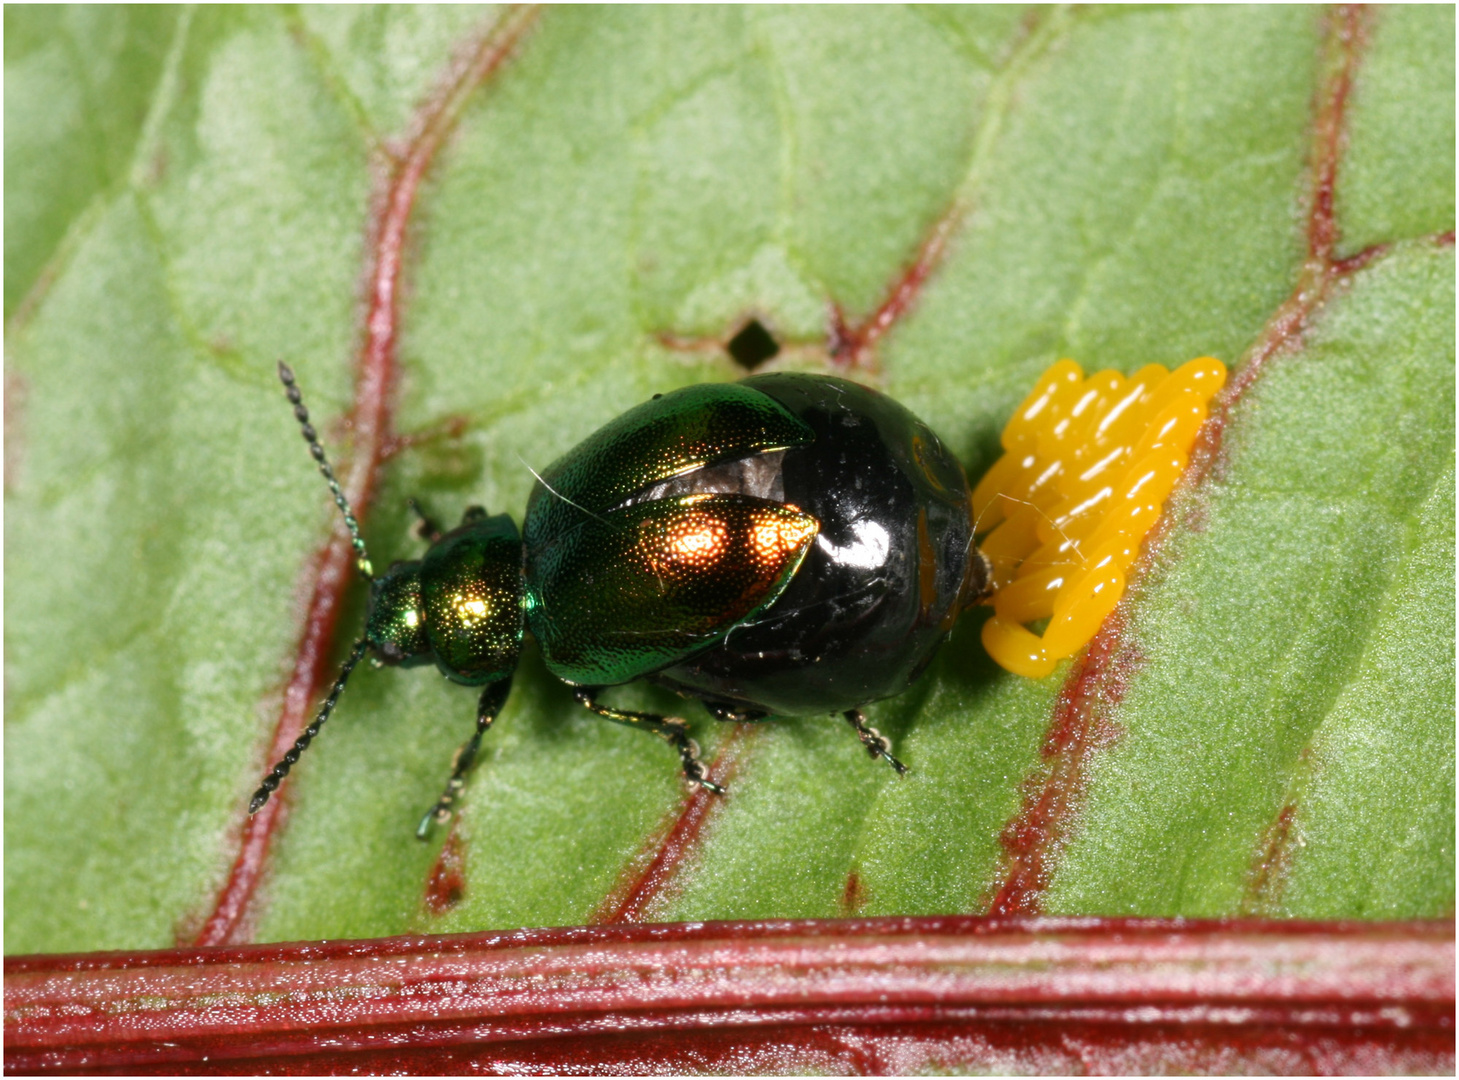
x: 188, y: 199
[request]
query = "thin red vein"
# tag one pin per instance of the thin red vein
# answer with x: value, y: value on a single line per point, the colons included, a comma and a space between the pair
x: 1080, y: 726
x: 1285, y: 328
x: 1080, y: 729
x: 855, y: 346
x: 1268, y: 872
x: 327, y: 575
x: 648, y: 876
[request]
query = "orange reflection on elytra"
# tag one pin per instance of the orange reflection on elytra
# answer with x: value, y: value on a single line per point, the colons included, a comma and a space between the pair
x: 723, y: 543
x: 700, y: 540
x: 773, y: 536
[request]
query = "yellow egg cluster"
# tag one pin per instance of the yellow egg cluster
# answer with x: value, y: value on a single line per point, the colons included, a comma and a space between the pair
x: 1087, y: 467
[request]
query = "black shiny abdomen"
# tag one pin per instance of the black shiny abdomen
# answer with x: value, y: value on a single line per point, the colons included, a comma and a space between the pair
x: 880, y: 587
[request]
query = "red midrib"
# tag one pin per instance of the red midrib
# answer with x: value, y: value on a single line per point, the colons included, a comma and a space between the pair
x: 903, y: 993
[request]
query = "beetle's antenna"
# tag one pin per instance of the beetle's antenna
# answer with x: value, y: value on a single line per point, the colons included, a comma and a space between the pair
x: 273, y: 779
x: 301, y: 414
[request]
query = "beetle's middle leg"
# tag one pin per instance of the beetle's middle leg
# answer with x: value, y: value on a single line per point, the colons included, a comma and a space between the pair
x: 673, y: 731
x: 877, y: 744
x: 492, y: 700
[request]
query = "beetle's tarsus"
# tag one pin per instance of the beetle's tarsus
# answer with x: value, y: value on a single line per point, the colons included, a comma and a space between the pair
x: 694, y: 770
x: 877, y: 745
x: 423, y: 830
x: 669, y: 728
x: 493, y: 697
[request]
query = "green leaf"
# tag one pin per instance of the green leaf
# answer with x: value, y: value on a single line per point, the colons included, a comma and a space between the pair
x: 195, y: 194
x: 81, y: 82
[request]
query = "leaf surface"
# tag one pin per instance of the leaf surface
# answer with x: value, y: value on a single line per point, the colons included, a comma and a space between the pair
x: 952, y: 200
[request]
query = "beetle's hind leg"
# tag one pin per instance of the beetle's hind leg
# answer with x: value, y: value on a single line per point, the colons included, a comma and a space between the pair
x: 492, y: 700
x: 673, y: 731
x: 877, y: 744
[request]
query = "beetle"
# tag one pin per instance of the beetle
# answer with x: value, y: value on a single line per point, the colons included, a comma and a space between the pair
x: 786, y: 545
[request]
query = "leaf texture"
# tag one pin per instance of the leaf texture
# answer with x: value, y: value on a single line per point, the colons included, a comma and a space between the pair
x: 478, y: 235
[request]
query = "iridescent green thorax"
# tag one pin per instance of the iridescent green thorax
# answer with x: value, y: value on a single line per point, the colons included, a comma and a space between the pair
x: 471, y: 589
x: 396, y: 625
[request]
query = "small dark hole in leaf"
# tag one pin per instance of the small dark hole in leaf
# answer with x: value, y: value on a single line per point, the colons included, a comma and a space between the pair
x: 752, y: 345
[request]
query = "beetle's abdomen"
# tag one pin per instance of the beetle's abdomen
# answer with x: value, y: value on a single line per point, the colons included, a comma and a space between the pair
x: 879, y: 587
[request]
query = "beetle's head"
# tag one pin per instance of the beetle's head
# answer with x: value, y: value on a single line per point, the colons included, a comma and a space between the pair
x: 396, y: 624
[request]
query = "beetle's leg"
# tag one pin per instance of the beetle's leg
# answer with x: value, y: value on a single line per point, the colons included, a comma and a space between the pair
x: 877, y: 744
x: 729, y: 714
x: 671, y: 730
x: 492, y: 700
x: 428, y: 529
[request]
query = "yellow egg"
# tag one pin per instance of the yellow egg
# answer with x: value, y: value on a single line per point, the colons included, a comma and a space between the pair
x: 1089, y: 466
x: 1126, y: 418
x: 1080, y: 609
x: 1058, y: 381
x: 1032, y: 597
x: 1202, y: 377
x: 1175, y: 425
x: 1102, y: 391
x: 1096, y: 475
x: 1011, y: 542
x: 1071, y: 517
x: 1061, y: 552
x: 1004, y: 476
x: 1016, y: 649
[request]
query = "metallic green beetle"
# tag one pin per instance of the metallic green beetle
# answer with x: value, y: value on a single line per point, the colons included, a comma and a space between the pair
x: 785, y: 545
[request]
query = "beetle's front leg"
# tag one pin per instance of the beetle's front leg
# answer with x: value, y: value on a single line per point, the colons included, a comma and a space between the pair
x: 671, y: 730
x: 877, y: 744
x: 428, y: 529
x: 492, y: 700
